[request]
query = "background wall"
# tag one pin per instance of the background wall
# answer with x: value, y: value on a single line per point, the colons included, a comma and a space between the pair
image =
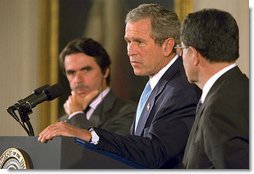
x: 20, y: 43
x: 19, y: 52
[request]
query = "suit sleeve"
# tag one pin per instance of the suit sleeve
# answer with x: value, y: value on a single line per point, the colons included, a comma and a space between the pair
x: 121, y: 121
x: 165, y: 139
x: 79, y: 120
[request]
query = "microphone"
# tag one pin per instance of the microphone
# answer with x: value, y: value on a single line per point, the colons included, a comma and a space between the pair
x: 40, y: 95
x: 24, y: 106
x: 35, y: 94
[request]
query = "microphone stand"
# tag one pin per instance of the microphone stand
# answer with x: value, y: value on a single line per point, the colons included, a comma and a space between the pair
x: 24, y: 120
x: 24, y: 106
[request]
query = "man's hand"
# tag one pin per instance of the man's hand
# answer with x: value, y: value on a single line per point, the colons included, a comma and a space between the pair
x: 63, y: 129
x: 77, y: 103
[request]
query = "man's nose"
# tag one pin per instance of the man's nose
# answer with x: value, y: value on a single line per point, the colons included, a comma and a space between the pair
x: 78, y: 76
x: 131, y: 49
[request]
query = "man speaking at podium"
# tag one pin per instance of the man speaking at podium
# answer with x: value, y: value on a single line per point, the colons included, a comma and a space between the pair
x: 162, y: 125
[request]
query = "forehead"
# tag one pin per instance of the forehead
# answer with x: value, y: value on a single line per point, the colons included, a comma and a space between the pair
x: 141, y: 28
x: 79, y: 59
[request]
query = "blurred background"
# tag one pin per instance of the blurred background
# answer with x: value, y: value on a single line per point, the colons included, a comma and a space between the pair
x: 33, y: 33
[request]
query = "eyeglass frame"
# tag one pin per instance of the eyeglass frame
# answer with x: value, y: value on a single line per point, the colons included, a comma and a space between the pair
x: 182, y: 48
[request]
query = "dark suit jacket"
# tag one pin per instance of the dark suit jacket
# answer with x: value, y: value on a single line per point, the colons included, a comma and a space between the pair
x: 165, y: 124
x: 220, y: 134
x: 112, y: 114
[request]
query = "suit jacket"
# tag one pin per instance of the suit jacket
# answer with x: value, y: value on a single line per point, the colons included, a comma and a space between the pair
x: 112, y: 114
x: 164, y: 124
x: 220, y: 134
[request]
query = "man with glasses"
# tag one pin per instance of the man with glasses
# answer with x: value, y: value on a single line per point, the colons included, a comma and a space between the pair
x: 220, y: 134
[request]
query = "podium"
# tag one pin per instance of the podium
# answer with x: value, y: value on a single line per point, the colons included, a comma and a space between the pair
x: 60, y: 153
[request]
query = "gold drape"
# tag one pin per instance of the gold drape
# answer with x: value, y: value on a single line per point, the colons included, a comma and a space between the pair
x: 48, y: 58
x: 183, y: 7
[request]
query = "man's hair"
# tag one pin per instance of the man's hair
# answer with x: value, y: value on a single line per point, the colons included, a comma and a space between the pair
x: 213, y: 33
x: 165, y: 24
x: 88, y: 47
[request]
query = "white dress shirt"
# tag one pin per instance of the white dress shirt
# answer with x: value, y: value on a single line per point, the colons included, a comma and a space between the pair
x: 208, y: 85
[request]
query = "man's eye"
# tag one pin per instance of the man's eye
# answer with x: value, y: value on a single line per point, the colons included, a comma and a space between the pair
x: 69, y: 73
x: 86, y: 69
x: 127, y: 41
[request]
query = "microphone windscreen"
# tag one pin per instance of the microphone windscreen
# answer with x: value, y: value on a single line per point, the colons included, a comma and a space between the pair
x: 39, y: 90
x: 54, y: 91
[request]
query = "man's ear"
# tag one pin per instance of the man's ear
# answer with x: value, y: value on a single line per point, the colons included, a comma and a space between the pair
x: 196, y: 56
x: 106, y: 73
x: 168, y: 46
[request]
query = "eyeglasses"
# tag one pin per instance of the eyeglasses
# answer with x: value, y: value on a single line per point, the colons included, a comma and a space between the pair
x: 180, y: 48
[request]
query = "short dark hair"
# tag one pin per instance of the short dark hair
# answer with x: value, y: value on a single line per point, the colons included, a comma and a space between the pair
x: 164, y: 23
x: 89, y: 47
x: 213, y: 33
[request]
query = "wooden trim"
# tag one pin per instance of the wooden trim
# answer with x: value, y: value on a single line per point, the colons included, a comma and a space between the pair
x: 54, y: 55
x: 183, y: 7
x: 48, y: 58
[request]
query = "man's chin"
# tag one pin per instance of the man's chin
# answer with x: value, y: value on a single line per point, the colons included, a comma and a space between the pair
x: 139, y: 73
x: 81, y: 93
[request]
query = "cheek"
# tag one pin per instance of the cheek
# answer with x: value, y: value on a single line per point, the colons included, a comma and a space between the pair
x: 186, y: 66
x: 96, y: 79
x: 72, y: 84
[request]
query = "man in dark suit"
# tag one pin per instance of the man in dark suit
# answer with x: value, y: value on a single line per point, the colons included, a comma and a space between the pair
x: 161, y: 127
x: 220, y: 134
x: 86, y: 65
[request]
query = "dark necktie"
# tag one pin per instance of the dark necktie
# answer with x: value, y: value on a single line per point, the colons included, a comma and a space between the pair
x: 198, y: 106
x: 86, y: 110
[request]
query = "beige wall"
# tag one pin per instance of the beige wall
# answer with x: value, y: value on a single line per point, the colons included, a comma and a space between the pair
x: 19, y: 58
x: 19, y: 51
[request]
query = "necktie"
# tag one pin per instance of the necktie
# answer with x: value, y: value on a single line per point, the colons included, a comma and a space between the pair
x: 86, y: 112
x: 144, y: 96
x: 198, y: 106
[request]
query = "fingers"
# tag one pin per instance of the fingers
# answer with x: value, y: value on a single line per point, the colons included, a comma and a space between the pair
x: 66, y: 107
x: 63, y: 129
x: 73, y: 104
x: 52, y: 131
x: 77, y: 103
x: 88, y: 98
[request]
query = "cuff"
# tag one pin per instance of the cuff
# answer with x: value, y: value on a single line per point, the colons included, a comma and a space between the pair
x: 95, y: 138
x: 75, y: 113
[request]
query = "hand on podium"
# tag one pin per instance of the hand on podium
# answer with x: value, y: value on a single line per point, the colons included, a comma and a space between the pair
x: 63, y: 129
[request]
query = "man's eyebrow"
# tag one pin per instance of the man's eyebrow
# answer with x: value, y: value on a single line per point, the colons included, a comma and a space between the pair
x: 83, y: 68
x: 86, y: 68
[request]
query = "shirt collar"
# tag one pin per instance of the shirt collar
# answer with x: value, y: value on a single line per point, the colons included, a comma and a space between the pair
x: 208, y: 85
x: 154, y: 80
x: 99, y: 98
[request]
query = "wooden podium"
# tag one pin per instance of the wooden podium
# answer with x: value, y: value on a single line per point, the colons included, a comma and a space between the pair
x: 60, y: 153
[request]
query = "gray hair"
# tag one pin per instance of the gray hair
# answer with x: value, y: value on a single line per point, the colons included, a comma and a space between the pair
x: 165, y: 23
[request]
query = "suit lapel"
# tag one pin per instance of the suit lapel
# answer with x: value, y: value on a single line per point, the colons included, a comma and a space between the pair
x: 105, y: 105
x: 213, y: 89
x: 169, y: 74
x: 197, y: 119
x: 146, y: 111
